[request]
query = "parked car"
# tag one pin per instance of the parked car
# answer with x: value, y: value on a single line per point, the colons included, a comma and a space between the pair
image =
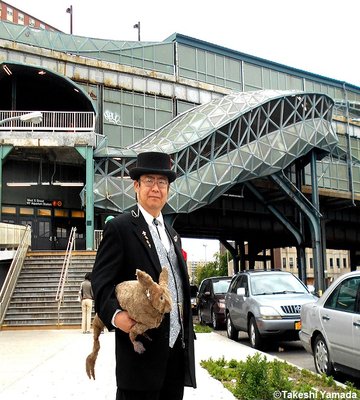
x: 331, y: 327
x: 193, y: 294
x: 210, y: 300
x: 265, y: 304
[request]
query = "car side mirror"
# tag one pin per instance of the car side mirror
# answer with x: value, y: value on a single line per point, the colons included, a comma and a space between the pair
x: 240, y: 291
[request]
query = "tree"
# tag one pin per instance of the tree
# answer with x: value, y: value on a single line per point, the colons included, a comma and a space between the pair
x: 218, y: 267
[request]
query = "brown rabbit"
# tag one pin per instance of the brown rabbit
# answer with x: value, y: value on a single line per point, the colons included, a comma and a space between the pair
x: 146, y: 302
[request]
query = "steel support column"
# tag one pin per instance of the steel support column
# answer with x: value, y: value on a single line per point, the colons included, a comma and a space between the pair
x: 232, y: 250
x: 311, y: 211
x: 4, y: 151
x: 318, y: 250
x: 87, y: 153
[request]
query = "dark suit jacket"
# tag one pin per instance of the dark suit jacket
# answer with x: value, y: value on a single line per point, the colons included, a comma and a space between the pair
x: 127, y: 245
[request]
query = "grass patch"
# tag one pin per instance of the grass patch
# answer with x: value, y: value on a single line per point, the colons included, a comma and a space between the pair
x: 198, y: 328
x: 260, y: 379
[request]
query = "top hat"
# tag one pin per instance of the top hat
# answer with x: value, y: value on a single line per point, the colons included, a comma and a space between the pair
x: 153, y: 162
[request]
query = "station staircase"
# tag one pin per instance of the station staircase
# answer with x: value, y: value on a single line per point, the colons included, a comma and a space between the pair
x: 33, y: 303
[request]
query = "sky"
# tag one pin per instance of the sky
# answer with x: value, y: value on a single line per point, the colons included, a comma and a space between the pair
x: 318, y: 36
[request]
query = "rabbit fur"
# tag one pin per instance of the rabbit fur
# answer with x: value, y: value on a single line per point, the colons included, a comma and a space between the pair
x: 146, y: 302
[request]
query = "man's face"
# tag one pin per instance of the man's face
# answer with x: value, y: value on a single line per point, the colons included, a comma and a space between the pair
x: 152, y: 192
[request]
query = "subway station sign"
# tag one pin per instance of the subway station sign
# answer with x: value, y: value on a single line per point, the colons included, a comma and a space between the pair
x: 38, y: 202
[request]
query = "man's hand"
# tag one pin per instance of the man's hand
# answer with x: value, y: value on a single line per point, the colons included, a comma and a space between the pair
x: 123, y: 321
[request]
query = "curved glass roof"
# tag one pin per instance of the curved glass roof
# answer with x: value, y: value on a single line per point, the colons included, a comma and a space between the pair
x: 227, y: 141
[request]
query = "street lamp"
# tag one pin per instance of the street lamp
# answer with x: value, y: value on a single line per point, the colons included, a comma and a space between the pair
x: 137, y: 26
x: 33, y: 117
x: 69, y: 10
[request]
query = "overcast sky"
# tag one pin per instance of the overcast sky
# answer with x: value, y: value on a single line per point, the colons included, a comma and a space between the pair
x: 319, y: 36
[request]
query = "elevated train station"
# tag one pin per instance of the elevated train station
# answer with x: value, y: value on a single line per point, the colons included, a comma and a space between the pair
x: 266, y: 155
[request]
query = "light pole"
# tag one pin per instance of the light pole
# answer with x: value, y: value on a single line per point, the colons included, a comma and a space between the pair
x: 33, y: 117
x: 205, y: 246
x: 137, y: 26
x: 69, y: 10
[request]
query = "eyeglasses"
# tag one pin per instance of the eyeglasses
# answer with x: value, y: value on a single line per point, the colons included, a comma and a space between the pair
x: 150, y: 181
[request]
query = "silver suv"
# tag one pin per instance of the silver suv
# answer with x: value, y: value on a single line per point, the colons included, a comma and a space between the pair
x: 264, y: 304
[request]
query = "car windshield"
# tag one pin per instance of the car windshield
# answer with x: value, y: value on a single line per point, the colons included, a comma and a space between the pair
x: 276, y: 284
x: 221, y: 286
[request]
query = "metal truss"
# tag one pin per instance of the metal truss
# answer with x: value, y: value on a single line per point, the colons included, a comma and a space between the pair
x: 217, y: 145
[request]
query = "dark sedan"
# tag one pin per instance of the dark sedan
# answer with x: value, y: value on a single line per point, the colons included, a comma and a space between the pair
x: 211, y: 301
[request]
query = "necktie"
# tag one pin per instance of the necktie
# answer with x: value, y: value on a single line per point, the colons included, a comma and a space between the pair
x: 156, y: 223
x: 175, y: 318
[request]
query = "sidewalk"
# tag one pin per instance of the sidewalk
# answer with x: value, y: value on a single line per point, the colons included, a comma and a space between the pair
x: 50, y: 364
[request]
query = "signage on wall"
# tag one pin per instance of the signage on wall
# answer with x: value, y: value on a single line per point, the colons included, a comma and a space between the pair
x: 37, y: 202
x: 57, y: 203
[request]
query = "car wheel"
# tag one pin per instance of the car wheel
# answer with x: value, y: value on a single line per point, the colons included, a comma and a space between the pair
x: 201, y: 319
x: 214, y: 322
x: 256, y: 341
x: 322, y: 361
x: 232, y: 332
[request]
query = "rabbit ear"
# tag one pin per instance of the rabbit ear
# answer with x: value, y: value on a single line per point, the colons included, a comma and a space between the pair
x: 164, y: 277
x: 144, y: 278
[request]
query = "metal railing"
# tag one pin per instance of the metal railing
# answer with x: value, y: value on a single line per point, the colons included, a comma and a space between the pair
x: 65, y: 269
x: 98, y: 235
x: 14, y: 272
x: 52, y: 121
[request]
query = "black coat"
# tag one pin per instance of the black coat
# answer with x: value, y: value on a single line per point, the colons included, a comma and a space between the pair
x: 127, y: 245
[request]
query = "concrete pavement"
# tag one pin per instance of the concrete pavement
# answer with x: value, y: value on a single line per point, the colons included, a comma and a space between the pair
x: 50, y: 365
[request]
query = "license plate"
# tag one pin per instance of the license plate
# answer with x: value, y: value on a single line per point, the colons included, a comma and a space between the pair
x: 297, y: 325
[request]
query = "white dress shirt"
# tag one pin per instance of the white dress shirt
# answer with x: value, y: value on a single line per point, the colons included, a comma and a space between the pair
x: 160, y: 226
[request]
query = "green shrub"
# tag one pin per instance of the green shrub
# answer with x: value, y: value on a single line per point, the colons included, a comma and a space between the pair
x: 257, y: 378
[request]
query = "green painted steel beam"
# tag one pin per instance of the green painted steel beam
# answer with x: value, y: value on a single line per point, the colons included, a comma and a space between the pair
x: 88, y: 154
x: 4, y: 152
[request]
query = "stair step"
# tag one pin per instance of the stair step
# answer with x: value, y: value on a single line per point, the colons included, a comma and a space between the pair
x: 33, y: 300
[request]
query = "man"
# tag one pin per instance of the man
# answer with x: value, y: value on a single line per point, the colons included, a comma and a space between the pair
x: 142, y: 239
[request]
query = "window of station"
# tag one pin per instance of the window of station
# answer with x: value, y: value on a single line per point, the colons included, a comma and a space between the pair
x: 26, y: 222
x: 61, y: 232
x: 129, y: 116
x: 61, y: 213
x: 44, y: 212
x: 209, y: 67
x: 26, y: 211
x: 8, y: 220
x: 77, y: 214
x: 8, y: 210
x: 44, y: 229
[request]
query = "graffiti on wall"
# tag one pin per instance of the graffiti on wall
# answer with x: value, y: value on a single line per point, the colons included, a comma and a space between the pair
x: 112, y: 118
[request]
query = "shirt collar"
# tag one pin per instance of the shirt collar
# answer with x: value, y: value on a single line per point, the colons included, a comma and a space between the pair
x: 149, y: 218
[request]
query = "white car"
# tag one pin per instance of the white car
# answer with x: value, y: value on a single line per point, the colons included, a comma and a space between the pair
x: 330, y: 328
